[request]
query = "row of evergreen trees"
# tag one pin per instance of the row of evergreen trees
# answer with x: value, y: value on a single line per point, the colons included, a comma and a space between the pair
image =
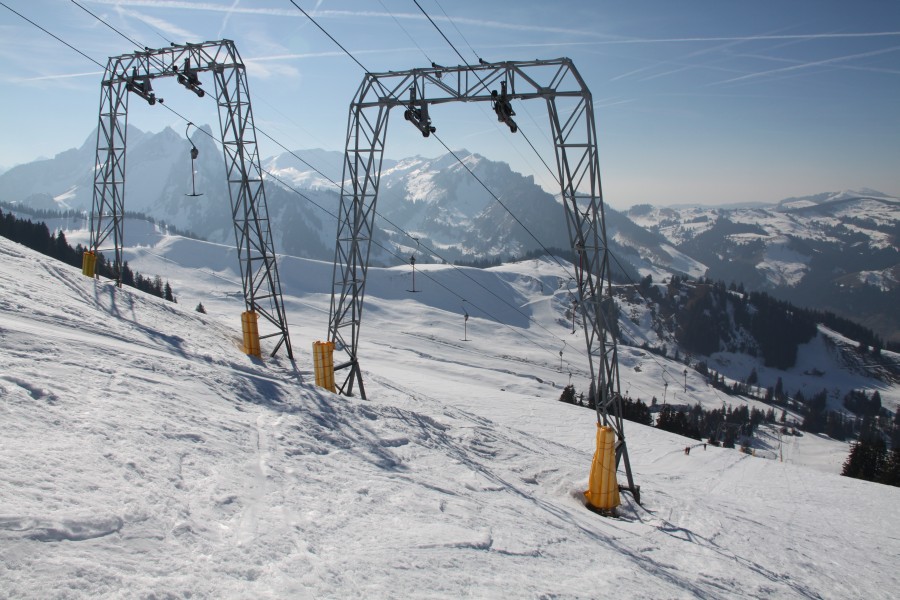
x: 725, y: 425
x: 37, y: 236
x: 869, y: 458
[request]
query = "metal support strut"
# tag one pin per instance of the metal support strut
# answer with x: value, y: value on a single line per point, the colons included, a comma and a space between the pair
x: 571, y: 115
x: 253, y: 236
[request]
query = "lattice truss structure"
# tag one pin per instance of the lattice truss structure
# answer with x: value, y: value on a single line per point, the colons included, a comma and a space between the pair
x: 571, y: 117
x: 253, y: 236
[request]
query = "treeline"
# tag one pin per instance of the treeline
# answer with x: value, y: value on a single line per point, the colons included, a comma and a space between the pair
x: 870, y: 458
x: 480, y: 263
x: 724, y: 426
x: 43, y: 213
x: 37, y: 236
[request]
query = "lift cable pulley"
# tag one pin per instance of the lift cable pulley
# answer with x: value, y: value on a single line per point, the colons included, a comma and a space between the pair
x: 503, y: 107
x: 141, y: 86
x: 188, y: 78
x: 417, y: 114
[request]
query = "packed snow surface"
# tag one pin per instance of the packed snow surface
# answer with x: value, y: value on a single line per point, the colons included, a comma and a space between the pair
x: 145, y: 456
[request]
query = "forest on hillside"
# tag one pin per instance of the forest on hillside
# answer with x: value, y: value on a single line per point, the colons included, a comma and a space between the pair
x: 709, y: 317
x: 38, y: 237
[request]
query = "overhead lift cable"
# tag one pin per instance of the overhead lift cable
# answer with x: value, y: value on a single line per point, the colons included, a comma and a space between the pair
x: 457, y: 30
x: 316, y: 204
x: 477, y: 178
x: 337, y: 185
x: 609, y: 252
x: 481, y: 81
x: 397, y: 227
x: 400, y: 25
x: 353, y: 249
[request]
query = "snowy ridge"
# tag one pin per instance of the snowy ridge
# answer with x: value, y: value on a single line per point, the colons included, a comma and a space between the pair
x: 834, y: 251
x: 144, y: 455
x: 821, y: 219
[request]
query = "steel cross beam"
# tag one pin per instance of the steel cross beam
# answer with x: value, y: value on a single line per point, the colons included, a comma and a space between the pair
x: 571, y: 118
x: 253, y: 236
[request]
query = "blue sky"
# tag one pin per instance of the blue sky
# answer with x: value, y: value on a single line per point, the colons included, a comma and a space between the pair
x: 695, y: 101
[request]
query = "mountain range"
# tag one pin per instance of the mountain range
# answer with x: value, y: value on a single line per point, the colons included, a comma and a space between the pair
x: 832, y: 251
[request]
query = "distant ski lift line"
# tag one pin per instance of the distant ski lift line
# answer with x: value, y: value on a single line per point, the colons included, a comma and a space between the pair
x: 571, y: 115
x: 135, y: 73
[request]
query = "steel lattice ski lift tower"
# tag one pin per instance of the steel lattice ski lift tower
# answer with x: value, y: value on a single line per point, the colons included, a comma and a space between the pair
x: 571, y: 117
x: 253, y: 236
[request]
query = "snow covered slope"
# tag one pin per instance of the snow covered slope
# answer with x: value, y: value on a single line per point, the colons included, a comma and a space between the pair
x: 144, y: 456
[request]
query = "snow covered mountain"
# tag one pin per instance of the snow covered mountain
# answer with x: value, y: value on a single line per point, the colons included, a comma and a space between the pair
x: 442, y: 205
x: 158, y: 180
x: 145, y: 455
x: 436, y: 200
x: 835, y: 251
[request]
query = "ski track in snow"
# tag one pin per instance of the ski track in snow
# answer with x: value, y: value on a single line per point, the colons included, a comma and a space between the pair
x: 144, y: 456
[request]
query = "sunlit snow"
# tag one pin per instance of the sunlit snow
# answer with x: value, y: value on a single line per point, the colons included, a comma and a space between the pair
x: 145, y: 456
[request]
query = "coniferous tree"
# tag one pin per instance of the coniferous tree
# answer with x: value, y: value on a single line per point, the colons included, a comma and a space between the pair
x: 834, y: 426
x: 568, y: 394
x: 753, y: 377
x: 127, y: 275
x: 890, y: 474
x: 200, y: 308
x: 730, y: 437
x: 814, y: 413
x: 637, y: 411
x: 868, y: 458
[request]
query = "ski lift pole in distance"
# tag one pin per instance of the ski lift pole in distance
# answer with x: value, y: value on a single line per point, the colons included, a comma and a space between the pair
x: 465, y: 325
x: 412, y: 262
x: 194, y: 154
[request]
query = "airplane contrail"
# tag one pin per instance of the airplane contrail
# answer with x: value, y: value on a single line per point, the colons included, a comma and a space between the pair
x: 806, y: 65
x: 52, y: 77
x: 232, y: 9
